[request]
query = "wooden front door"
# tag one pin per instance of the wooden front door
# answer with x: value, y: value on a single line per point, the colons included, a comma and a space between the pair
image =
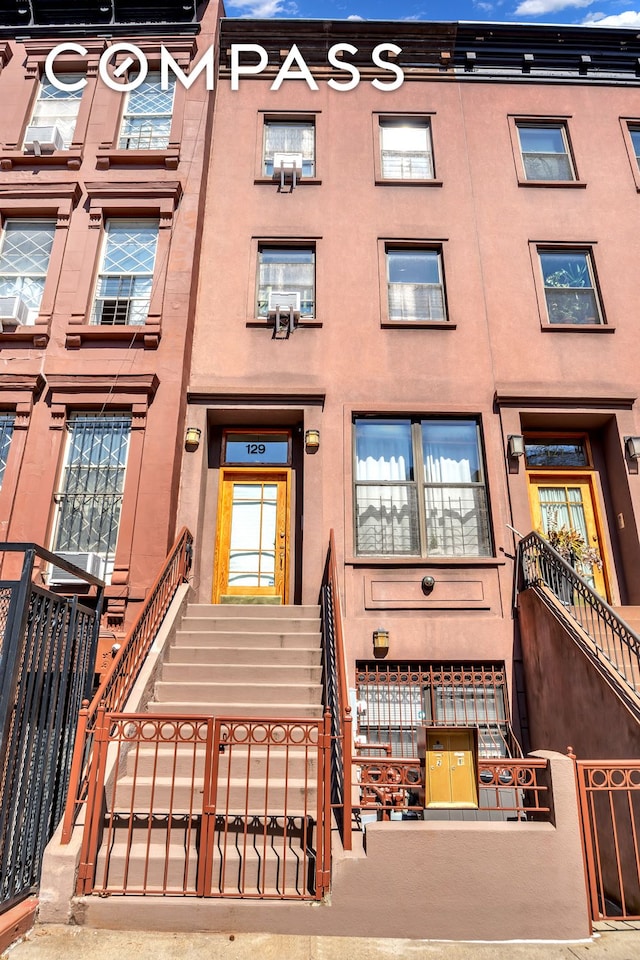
x: 252, y: 545
x: 569, y: 501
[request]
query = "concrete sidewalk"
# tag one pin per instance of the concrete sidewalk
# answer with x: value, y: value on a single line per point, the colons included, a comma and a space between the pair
x: 82, y: 943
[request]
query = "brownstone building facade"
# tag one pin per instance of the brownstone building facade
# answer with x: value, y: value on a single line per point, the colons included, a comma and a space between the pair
x: 101, y: 197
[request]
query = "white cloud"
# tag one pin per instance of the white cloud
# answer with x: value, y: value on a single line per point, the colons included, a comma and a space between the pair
x: 264, y: 9
x: 355, y: 16
x: 534, y: 8
x: 630, y: 18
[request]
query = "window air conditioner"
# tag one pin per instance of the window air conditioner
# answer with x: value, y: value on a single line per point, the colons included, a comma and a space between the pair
x: 13, y: 310
x: 91, y: 562
x: 285, y: 300
x: 287, y: 164
x: 39, y: 138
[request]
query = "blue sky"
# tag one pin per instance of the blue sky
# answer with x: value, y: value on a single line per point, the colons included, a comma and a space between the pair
x: 621, y: 13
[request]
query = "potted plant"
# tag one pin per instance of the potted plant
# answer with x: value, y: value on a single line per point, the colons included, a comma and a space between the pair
x: 573, y: 548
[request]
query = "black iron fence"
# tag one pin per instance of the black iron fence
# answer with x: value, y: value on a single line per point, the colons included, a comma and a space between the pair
x: 47, y: 651
x: 617, y: 643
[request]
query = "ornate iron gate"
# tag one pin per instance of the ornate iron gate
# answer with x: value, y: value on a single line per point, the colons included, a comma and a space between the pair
x: 609, y: 792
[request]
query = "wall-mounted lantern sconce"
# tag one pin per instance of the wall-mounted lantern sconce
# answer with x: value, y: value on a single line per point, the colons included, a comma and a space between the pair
x: 380, y: 641
x: 515, y: 445
x: 192, y: 438
x: 632, y: 446
x: 312, y: 440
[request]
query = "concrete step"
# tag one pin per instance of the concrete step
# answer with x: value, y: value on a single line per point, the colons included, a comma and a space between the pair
x: 251, y: 625
x: 271, y: 859
x: 252, y: 611
x: 252, y: 656
x: 269, y: 674
x: 240, y: 709
x: 166, y: 762
x: 222, y: 638
x: 163, y: 795
x: 199, y: 691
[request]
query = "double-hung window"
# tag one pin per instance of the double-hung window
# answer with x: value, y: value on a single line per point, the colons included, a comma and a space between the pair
x: 289, y: 137
x: 545, y: 151
x: 6, y: 432
x: 570, y: 287
x: 57, y: 109
x: 146, y: 120
x: 123, y: 291
x: 286, y: 270
x: 415, y: 284
x: 24, y: 260
x: 420, y: 488
x: 90, y: 498
x: 405, y: 150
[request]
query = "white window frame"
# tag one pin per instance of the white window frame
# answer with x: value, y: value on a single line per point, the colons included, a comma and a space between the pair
x: 122, y: 302
x: 307, y: 308
x: 149, y: 140
x: 7, y: 421
x: 24, y: 276
x: 105, y: 503
x: 572, y: 291
x: 434, y: 308
x: 44, y: 113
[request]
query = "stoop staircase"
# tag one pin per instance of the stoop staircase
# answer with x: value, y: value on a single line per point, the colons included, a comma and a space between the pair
x: 249, y: 660
x: 245, y: 661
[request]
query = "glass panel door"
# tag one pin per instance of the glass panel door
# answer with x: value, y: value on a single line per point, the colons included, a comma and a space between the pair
x: 252, y: 551
x: 568, y: 503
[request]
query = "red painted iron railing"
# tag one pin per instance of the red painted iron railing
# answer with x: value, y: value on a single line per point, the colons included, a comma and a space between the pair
x: 609, y: 793
x: 118, y: 682
x: 198, y: 806
x: 518, y: 787
x: 336, y: 698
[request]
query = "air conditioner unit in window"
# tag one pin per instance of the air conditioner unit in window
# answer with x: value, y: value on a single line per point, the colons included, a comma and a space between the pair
x: 287, y: 168
x: 13, y: 310
x: 91, y: 562
x: 285, y: 301
x: 39, y: 138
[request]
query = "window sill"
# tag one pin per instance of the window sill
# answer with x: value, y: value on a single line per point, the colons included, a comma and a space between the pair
x: 571, y: 184
x: 148, y: 334
x: 112, y: 157
x: 36, y: 333
x: 424, y: 562
x: 419, y: 324
x: 72, y: 159
x: 407, y: 182
x: 257, y: 323
x: 577, y: 328
x: 300, y: 181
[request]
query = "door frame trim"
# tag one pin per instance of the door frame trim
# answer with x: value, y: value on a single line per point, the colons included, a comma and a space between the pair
x: 277, y: 473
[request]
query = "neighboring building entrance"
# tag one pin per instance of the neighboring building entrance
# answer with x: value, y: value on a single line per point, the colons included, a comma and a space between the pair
x: 563, y: 497
x: 253, y: 534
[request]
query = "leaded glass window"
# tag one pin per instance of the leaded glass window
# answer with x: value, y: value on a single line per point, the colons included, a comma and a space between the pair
x: 24, y: 260
x: 123, y: 291
x: 58, y: 108
x: 146, y: 121
x: 90, y: 499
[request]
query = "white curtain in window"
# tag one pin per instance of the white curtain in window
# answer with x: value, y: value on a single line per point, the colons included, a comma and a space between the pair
x: 457, y: 522
x: 289, y: 138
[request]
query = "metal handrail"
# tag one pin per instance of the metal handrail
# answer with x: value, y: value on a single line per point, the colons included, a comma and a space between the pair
x: 540, y: 564
x: 118, y: 682
x: 336, y: 696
